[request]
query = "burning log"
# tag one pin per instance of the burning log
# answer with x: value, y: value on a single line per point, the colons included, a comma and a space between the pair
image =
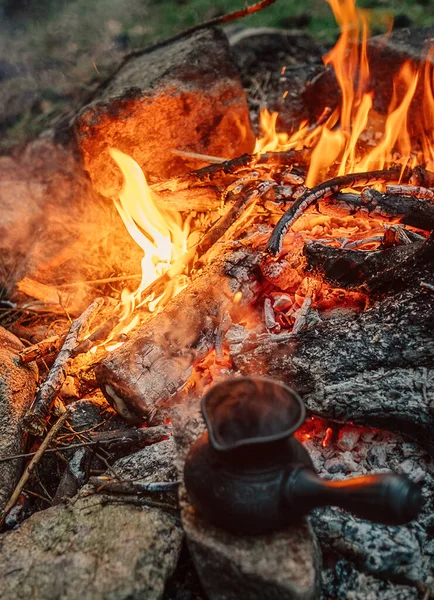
x: 324, y: 190
x: 404, y: 209
x: 161, y: 93
x: 374, y: 368
x: 17, y: 388
x: 34, y: 420
x: 152, y: 366
x: 370, y: 270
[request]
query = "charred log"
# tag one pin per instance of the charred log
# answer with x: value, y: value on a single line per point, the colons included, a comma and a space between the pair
x: 371, y: 270
x: 156, y: 362
x: 406, y: 210
x: 374, y: 368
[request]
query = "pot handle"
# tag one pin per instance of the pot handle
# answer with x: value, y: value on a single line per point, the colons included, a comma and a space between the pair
x: 385, y: 498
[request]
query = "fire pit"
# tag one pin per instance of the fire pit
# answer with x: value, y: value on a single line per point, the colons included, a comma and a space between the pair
x: 196, y: 258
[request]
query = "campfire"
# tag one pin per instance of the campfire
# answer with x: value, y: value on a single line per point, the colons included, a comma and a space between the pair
x: 305, y: 257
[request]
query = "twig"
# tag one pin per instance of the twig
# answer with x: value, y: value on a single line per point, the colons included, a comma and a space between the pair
x: 100, y: 334
x: 221, y: 20
x: 98, y: 281
x: 106, y: 484
x: 34, y: 420
x: 41, y: 349
x: 33, y: 463
x: 208, y: 175
x: 413, y: 191
x: 131, y: 437
x: 324, y: 190
x: 427, y: 286
x: 197, y: 156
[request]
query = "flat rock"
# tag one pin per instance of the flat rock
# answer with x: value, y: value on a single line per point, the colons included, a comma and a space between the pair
x: 185, y: 95
x: 97, y: 546
x: 280, y: 566
x: 17, y: 390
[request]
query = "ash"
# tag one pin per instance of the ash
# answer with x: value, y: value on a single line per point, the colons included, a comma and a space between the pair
x: 363, y: 560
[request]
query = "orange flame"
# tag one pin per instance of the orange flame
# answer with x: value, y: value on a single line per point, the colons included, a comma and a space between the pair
x: 339, y: 138
x: 161, y: 235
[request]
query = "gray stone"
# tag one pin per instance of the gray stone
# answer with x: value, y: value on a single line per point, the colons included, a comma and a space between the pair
x: 17, y: 389
x: 98, y: 547
x: 280, y: 566
x: 185, y: 95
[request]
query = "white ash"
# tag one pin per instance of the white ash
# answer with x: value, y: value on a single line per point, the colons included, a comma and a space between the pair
x: 363, y: 559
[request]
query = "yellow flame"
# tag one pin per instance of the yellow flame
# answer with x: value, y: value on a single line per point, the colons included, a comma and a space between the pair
x: 160, y: 234
x: 338, y: 138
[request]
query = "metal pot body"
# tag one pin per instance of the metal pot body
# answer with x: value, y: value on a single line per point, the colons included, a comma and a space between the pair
x: 243, y: 492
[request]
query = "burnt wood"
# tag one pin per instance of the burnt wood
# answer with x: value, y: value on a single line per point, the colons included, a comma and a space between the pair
x: 156, y: 363
x: 374, y: 368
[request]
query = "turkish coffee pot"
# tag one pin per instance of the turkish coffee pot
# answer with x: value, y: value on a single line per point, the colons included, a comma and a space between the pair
x: 248, y: 474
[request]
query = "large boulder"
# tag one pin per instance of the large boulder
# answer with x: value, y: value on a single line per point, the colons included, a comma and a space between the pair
x: 185, y: 95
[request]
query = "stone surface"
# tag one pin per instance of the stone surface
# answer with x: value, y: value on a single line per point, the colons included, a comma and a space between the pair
x: 280, y: 566
x: 17, y: 389
x: 186, y: 95
x: 97, y: 546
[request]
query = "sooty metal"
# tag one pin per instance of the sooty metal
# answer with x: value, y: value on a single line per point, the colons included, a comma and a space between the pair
x: 248, y: 474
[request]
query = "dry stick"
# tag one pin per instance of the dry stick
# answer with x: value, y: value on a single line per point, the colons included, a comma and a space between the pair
x: 324, y: 190
x: 111, y: 486
x: 34, y: 420
x: 207, y: 175
x: 414, y: 191
x: 41, y: 349
x: 131, y: 437
x: 221, y: 20
x: 99, y: 335
x: 32, y: 464
x: 197, y: 156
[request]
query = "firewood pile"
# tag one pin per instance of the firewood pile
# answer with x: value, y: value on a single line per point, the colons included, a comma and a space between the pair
x: 323, y: 280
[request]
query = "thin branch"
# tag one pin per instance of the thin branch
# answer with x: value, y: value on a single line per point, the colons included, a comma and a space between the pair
x: 110, y: 438
x: 34, y: 420
x: 33, y: 463
x: 221, y: 20
x: 325, y: 190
